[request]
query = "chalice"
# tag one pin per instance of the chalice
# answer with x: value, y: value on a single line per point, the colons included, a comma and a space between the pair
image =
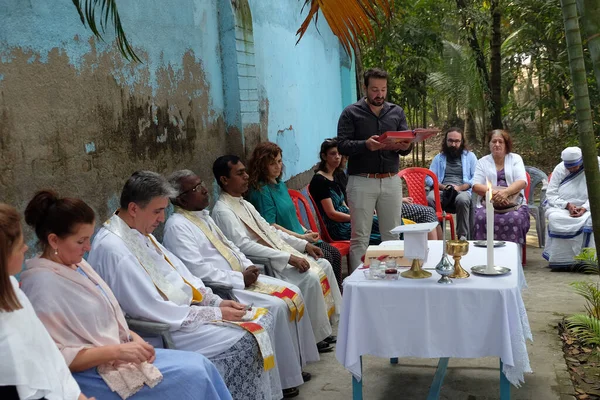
x: 457, y: 249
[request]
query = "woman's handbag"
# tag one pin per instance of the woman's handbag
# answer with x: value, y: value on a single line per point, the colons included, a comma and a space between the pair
x: 448, y: 199
x: 515, y: 201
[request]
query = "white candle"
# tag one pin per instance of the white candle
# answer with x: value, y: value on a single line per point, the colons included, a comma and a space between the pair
x: 489, y: 217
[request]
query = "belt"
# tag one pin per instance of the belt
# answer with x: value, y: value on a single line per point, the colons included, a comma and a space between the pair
x: 378, y: 175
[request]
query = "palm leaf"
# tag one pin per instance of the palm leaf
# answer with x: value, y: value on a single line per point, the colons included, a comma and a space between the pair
x: 591, y: 293
x: 348, y: 19
x: 585, y: 328
x: 108, y: 14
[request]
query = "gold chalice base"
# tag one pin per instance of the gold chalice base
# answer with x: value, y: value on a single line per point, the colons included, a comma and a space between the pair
x: 457, y: 249
x: 416, y: 271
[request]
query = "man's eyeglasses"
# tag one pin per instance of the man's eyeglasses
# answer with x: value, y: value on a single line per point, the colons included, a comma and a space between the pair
x: 194, y: 189
x: 452, y: 141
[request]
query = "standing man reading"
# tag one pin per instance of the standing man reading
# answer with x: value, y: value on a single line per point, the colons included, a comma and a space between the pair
x: 373, y: 182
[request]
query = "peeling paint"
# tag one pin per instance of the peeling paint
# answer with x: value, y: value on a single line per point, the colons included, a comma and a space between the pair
x: 282, y: 131
x: 90, y: 147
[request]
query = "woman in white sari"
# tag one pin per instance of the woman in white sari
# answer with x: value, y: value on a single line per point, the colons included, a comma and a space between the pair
x: 85, y: 320
x: 31, y: 366
x: 567, y: 209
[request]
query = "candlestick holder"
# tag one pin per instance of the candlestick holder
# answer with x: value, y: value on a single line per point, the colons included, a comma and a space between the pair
x: 482, y: 270
x: 457, y: 249
x: 416, y: 271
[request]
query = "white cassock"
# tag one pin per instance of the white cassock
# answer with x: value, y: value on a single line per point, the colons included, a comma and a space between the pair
x: 234, y: 215
x: 137, y: 293
x: 566, y: 236
x: 30, y: 359
x: 294, y: 340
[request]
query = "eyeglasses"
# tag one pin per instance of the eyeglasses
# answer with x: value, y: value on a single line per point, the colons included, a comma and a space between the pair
x: 452, y: 141
x: 194, y: 189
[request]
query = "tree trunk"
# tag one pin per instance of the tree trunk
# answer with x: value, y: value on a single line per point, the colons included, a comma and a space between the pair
x: 470, y: 128
x: 479, y: 56
x: 360, y: 71
x: 590, y: 19
x: 541, y: 104
x: 424, y: 109
x: 435, y: 114
x: 584, y: 115
x: 496, y: 67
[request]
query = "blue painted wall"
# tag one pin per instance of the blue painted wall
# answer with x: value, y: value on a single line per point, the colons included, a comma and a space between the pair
x: 78, y: 118
x: 301, y: 83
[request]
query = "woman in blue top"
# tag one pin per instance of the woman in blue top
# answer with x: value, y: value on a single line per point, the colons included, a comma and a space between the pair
x: 269, y: 194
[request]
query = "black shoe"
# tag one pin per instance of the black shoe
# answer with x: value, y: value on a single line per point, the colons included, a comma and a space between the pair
x: 306, y: 376
x: 330, y: 339
x: 291, y: 392
x: 324, y: 347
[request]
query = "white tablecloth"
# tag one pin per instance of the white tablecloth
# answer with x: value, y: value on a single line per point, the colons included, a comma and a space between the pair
x: 476, y: 317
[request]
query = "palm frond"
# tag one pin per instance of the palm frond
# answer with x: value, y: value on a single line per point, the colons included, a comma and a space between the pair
x: 586, y: 328
x: 348, y: 19
x: 588, y: 254
x: 591, y: 293
x: 457, y: 78
x: 588, y: 260
x: 108, y: 14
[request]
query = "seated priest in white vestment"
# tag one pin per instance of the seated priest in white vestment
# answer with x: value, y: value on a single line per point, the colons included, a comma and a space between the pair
x: 31, y: 365
x: 255, y: 237
x: 192, y: 235
x: 567, y: 209
x: 152, y: 284
x: 108, y: 361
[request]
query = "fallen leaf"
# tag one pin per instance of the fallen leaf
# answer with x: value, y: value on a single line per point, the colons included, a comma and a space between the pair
x: 578, y: 390
x: 583, y: 396
x: 574, y: 352
x: 587, y: 350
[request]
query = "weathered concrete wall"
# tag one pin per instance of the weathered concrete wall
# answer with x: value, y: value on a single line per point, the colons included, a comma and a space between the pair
x: 216, y: 77
x: 299, y: 86
x: 76, y: 117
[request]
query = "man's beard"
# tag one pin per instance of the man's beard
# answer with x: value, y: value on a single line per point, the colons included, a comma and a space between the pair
x: 454, y: 152
x: 378, y: 101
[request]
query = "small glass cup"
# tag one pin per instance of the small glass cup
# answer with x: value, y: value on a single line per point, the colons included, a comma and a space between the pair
x: 390, y: 263
x: 376, y: 270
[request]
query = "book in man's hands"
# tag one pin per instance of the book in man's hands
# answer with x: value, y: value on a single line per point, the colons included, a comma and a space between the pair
x: 414, y: 136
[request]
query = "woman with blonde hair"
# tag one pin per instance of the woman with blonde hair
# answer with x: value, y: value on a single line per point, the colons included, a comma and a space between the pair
x: 31, y: 367
x: 505, y: 171
x: 85, y: 320
x: 269, y: 194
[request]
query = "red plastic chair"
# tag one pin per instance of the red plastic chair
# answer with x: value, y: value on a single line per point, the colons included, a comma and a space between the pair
x: 342, y: 245
x: 415, y: 181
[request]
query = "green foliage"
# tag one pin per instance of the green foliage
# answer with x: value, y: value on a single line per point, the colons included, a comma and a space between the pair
x: 586, y: 328
x: 591, y: 293
x: 408, y: 47
x: 108, y: 14
x: 588, y: 260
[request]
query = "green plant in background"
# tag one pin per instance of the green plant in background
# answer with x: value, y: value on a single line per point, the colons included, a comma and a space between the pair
x: 586, y: 327
x: 591, y: 293
x: 588, y: 261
